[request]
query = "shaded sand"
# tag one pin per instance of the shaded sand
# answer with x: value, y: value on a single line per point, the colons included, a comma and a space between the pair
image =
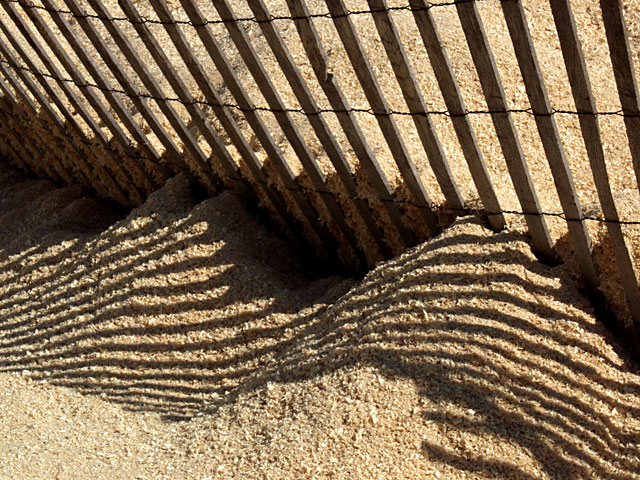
x: 183, y: 342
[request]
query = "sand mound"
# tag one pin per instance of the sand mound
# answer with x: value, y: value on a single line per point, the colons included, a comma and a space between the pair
x: 193, y: 346
x: 464, y: 358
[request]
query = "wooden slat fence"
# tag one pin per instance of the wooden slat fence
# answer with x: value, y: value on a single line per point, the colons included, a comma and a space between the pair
x: 120, y: 98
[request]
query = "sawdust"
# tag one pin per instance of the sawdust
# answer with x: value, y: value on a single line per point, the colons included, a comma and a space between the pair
x: 183, y: 341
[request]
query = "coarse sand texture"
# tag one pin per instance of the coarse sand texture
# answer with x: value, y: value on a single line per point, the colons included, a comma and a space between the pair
x: 183, y: 341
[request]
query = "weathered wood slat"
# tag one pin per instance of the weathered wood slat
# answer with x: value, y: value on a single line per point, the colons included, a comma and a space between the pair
x: 114, y: 102
x: 220, y: 152
x: 26, y: 154
x: 459, y: 117
x: 290, y: 130
x: 85, y: 173
x: 329, y: 84
x: 317, y: 121
x: 224, y: 116
x: 496, y: 101
x: 256, y: 123
x: 415, y: 101
x: 623, y: 70
x: 132, y: 187
x: 550, y: 136
x: 200, y: 167
x: 75, y: 102
x: 121, y: 76
x: 371, y: 88
x: 586, y: 105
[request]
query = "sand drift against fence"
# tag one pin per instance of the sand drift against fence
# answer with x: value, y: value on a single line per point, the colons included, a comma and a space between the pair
x: 184, y: 342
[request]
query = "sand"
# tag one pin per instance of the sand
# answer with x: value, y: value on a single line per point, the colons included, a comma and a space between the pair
x: 184, y: 341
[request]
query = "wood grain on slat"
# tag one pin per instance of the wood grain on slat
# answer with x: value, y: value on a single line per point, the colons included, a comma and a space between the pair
x: 114, y: 66
x: 550, y: 136
x: 459, y: 117
x: 585, y: 103
x: 496, y: 101
x: 415, y: 101
x: 224, y: 116
x: 291, y: 132
x: 78, y: 106
x: 329, y: 84
x: 623, y: 70
x: 371, y: 88
x: 200, y: 166
x: 316, y: 119
x: 115, y: 103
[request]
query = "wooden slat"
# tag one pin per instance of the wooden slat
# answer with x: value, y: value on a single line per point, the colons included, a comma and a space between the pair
x: 586, y: 105
x: 115, y: 103
x: 220, y: 152
x: 201, y: 167
x: 458, y: 112
x: 121, y: 76
x: 291, y: 132
x: 25, y: 154
x: 496, y: 101
x: 412, y: 93
x: 85, y: 173
x: 329, y: 84
x: 223, y: 114
x: 58, y: 161
x: 536, y: 90
x: 254, y: 120
x: 317, y: 121
x: 79, y: 107
x: 375, y: 96
x: 623, y: 70
x: 92, y: 98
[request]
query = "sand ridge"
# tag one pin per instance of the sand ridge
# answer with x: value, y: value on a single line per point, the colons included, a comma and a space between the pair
x: 184, y: 342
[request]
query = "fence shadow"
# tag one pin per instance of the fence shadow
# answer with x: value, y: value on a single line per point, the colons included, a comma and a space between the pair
x: 172, y: 313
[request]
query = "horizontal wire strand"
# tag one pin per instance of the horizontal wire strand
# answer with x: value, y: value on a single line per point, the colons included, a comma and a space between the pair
x: 253, y: 19
x: 370, y: 111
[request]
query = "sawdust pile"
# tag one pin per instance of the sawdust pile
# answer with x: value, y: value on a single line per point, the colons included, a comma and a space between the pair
x: 191, y: 345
